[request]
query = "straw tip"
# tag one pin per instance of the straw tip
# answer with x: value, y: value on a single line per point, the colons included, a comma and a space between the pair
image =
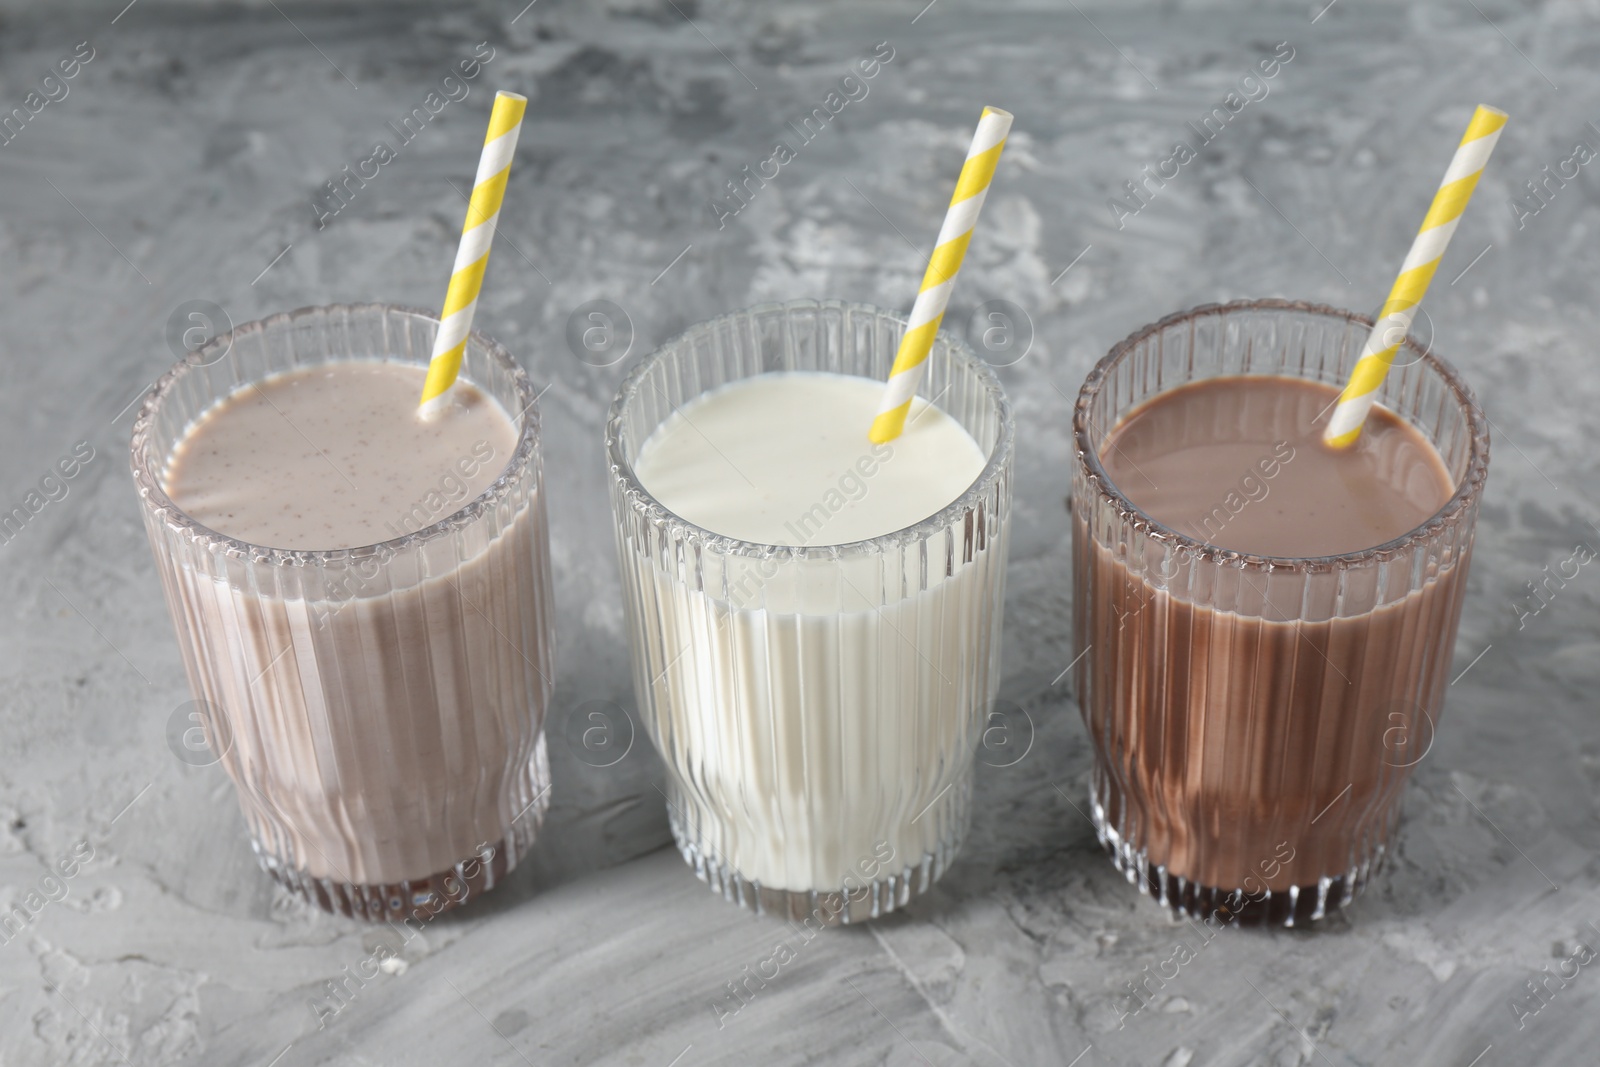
x: 431, y: 408
x: 1340, y: 442
x: 997, y: 112
x: 1491, y: 109
x: 507, y: 94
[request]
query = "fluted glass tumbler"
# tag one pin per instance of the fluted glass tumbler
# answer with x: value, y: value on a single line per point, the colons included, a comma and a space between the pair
x: 379, y: 707
x: 1254, y: 718
x: 818, y: 707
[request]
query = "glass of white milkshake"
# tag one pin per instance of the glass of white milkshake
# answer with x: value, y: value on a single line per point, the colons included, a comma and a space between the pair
x: 814, y: 619
x: 362, y: 598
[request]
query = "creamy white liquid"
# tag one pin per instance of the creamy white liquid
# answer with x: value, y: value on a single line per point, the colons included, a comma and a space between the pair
x: 783, y: 459
x: 816, y: 711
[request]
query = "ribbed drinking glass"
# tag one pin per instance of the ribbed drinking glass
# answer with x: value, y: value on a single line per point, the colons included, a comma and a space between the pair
x: 818, y: 707
x: 379, y: 707
x: 1255, y: 719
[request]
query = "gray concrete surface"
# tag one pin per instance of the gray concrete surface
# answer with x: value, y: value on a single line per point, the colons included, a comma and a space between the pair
x: 183, y: 164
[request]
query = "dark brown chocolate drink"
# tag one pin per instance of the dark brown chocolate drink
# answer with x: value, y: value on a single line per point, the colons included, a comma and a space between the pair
x: 1239, y: 463
x: 1252, y: 733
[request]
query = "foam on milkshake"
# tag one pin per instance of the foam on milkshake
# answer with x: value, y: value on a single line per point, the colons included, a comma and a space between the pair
x: 334, y: 456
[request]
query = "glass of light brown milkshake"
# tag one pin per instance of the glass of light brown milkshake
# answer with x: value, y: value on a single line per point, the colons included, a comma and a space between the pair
x: 1265, y: 625
x: 361, y: 597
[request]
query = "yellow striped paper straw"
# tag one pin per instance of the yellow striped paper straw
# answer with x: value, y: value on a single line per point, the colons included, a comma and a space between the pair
x: 1394, y: 320
x: 472, y: 257
x: 940, y: 277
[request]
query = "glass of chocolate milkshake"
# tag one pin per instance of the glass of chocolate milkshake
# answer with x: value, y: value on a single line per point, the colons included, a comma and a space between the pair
x: 361, y: 597
x: 1265, y: 625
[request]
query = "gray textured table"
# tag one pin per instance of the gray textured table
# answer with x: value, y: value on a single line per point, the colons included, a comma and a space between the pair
x: 186, y: 161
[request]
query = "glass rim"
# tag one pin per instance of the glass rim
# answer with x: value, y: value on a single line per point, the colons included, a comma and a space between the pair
x: 1466, y: 492
x: 644, y: 503
x: 154, y: 496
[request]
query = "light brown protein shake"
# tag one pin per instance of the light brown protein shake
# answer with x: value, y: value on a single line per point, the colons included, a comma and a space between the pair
x: 433, y: 739
x: 1259, y: 753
